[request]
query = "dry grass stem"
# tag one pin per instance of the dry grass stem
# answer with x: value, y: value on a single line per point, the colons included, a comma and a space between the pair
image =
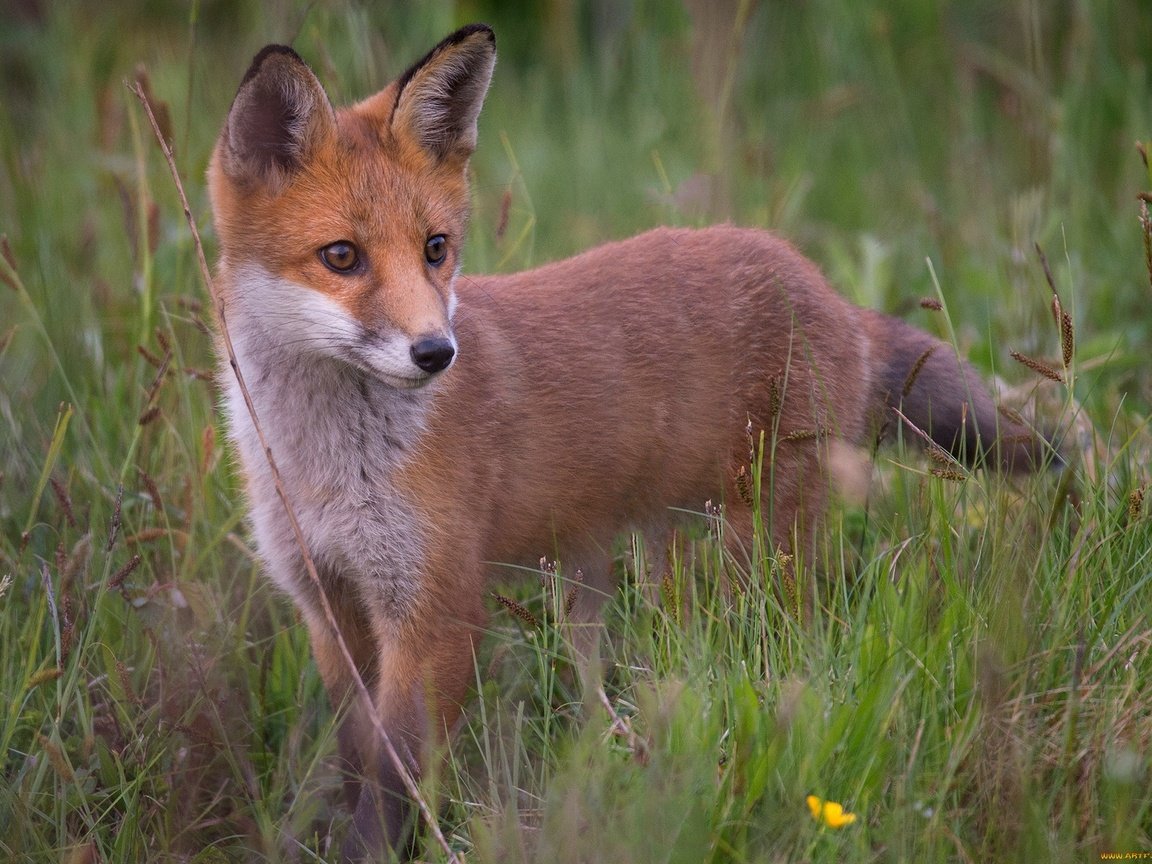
x: 363, y: 695
x: 621, y: 728
x: 934, y: 450
x: 1047, y: 269
x: 1146, y: 225
x: 8, y: 273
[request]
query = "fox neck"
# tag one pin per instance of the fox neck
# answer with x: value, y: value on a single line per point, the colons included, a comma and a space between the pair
x: 332, y: 427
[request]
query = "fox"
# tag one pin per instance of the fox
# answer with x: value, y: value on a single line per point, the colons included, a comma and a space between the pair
x: 430, y: 427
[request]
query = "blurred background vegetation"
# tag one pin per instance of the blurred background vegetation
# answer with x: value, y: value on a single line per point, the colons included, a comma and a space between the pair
x: 875, y: 136
x: 173, y: 696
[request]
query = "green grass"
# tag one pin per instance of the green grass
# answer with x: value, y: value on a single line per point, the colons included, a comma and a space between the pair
x: 970, y: 673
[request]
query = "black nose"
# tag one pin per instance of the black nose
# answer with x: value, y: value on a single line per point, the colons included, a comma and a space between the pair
x: 433, y: 354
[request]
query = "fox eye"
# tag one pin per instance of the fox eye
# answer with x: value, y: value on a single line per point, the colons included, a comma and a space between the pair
x: 436, y: 249
x: 340, y: 257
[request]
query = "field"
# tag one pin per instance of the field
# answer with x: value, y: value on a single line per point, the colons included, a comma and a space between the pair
x: 969, y: 672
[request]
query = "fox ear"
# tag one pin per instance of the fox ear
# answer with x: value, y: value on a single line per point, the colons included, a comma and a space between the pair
x: 439, y: 99
x: 279, y: 114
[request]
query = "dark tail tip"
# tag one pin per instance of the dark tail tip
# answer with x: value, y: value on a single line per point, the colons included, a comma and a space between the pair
x: 943, y: 398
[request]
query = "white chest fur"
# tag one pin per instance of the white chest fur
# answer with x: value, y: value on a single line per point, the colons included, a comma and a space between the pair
x: 338, y: 436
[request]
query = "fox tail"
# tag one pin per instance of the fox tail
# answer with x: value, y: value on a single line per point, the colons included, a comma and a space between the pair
x: 944, y: 397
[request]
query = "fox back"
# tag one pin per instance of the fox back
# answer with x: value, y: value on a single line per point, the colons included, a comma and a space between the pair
x: 427, y: 424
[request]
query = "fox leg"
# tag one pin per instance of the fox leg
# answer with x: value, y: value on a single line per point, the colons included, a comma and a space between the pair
x: 354, y: 725
x: 659, y: 537
x: 793, y: 495
x: 589, y: 583
x: 425, y: 668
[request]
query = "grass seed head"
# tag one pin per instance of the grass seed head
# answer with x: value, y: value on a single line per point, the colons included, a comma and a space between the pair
x: 939, y: 455
x: 914, y: 372
x: 148, y: 535
x: 114, y: 523
x: 806, y: 434
x: 744, y: 485
x: 125, y: 679
x: 948, y: 474
x: 570, y: 597
x: 67, y: 625
x: 1135, y: 503
x: 44, y: 676
x: 153, y: 491
x: 58, y: 759
x: 207, y: 449
x: 668, y: 590
x: 505, y: 209
x: 64, y: 500
x: 1067, y: 338
x: 1037, y: 366
x: 774, y: 397
x: 517, y: 610
x: 117, y: 580
x: 1012, y: 415
x: 148, y: 356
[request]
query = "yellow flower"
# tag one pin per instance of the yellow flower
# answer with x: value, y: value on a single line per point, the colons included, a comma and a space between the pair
x: 829, y: 813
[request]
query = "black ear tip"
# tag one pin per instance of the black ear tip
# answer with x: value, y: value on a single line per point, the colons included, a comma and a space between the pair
x: 264, y: 54
x: 470, y: 30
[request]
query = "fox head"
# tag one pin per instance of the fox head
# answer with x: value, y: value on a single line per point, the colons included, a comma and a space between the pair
x: 341, y: 230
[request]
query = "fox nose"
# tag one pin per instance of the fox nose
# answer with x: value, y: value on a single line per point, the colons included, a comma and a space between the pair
x: 433, y: 353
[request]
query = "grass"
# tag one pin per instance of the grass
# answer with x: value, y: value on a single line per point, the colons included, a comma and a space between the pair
x: 970, y: 673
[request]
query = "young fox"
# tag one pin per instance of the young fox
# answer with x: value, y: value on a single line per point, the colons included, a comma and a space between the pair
x: 427, y: 423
